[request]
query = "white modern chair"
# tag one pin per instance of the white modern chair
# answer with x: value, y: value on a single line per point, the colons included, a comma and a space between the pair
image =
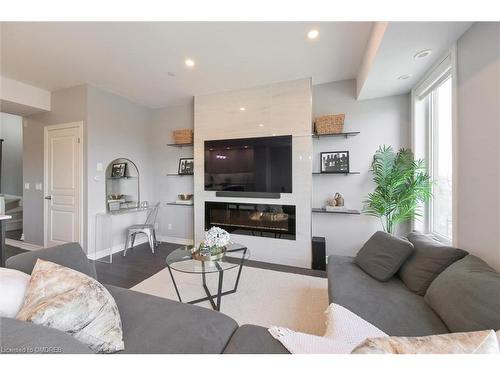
x: 148, y: 229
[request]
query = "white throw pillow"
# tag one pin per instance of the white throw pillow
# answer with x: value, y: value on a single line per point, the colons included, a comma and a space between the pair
x: 480, y: 342
x: 342, y: 324
x: 344, y: 331
x: 13, y: 285
x: 75, y: 303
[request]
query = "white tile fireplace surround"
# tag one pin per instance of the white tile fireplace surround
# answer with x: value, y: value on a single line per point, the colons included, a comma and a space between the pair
x: 277, y: 109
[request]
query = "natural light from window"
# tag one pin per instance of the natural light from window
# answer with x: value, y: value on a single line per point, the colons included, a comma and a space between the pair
x: 441, y: 159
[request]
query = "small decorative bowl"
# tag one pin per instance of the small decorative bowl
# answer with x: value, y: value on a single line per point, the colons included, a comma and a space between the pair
x: 207, y: 258
x: 185, y: 197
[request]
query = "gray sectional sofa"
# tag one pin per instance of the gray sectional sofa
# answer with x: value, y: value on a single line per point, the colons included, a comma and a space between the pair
x: 150, y: 324
x: 465, y: 296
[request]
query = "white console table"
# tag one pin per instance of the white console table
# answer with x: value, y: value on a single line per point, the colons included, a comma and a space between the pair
x: 3, y: 222
x: 104, y: 231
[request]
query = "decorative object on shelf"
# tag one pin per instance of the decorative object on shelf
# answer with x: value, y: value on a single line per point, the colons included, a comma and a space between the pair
x: 329, y: 124
x: 184, y: 198
x: 214, y: 246
x: 183, y: 136
x: 339, y: 199
x: 118, y: 170
x: 186, y: 166
x: 402, y: 186
x: 335, y: 203
x: 335, y: 162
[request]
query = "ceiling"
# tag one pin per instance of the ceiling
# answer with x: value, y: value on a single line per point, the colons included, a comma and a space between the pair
x: 144, y: 61
x: 394, y: 57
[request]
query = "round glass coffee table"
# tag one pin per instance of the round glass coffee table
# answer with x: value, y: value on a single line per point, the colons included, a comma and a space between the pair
x: 181, y: 260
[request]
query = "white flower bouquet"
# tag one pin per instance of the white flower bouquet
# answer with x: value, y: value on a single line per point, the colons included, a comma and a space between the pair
x: 214, y: 245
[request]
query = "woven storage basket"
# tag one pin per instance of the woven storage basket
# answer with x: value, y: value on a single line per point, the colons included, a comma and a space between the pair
x: 183, y: 136
x: 329, y: 124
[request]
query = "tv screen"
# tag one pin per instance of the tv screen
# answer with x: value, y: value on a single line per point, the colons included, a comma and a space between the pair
x: 250, y: 164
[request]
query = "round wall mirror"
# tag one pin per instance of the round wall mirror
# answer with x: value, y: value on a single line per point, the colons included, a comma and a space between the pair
x: 122, y: 185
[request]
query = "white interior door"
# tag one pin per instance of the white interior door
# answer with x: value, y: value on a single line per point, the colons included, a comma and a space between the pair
x: 63, y: 170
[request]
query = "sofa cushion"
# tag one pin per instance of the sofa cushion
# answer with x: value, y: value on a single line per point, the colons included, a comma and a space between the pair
x: 157, y: 325
x: 75, y: 303
x: 251, y: 339
x: 389, y: 306
x: 481, y: 342
x: 18, y: 337
x: 383, y: 254
x: 14, y: 284
x: 429, y: 259
x: 467, y: 296
x: 68, y: 255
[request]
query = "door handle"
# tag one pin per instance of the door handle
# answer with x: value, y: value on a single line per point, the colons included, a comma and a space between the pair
x: 48, y: 197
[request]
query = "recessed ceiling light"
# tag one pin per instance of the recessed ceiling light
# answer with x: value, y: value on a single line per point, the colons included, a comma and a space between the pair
x: 189, y: 62
x: 422, y: 54
x: 404, y: 76
x: 242, y: 108
x: 313, y: 34
x: 261, y: 125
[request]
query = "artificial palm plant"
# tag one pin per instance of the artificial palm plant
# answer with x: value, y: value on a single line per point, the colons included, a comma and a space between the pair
x: 402, y: 186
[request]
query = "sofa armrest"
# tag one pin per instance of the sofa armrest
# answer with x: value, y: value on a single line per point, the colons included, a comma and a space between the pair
x: 68, y: 255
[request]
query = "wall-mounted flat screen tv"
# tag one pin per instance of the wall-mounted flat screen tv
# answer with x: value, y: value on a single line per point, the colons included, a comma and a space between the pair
x: 250, y: 165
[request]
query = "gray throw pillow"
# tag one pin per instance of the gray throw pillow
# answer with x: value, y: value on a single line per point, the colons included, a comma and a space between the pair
x: 382, y: 255
x: 429, y: 259
x: 466, y: 296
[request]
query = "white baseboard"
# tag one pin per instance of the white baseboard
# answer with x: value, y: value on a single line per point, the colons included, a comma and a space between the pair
x: 139, y: 241
x: 22, y: 245
x: 180, y: 241
x: 116, y: 249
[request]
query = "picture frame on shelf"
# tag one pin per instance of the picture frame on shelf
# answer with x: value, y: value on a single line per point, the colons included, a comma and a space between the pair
x: 186, y: 166
x: 118, y: 170
x: 334, y: 162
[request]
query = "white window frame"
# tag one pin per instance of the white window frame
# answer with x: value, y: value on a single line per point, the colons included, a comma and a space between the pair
x: 439, y: 72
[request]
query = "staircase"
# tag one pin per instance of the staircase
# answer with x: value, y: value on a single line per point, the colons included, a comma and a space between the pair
x: 14, y: 208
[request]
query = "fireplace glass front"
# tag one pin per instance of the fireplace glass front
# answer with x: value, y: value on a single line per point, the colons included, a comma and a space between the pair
x: 251, y: 219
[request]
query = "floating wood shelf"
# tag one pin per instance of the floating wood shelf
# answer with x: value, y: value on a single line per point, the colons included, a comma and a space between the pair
x: 178, y: 174
x: 179, y: 144
x: 346, y: 212
x: 345, y: 135
x: 333, y: 174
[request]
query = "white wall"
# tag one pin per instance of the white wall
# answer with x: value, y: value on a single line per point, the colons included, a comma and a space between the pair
x: 23, y: 99
x: 11, y: 131
x: 116, y: 128
x: 284, y: 109
x: 166, y: 160
x: 380, y: 121
x: 68, y: 105
x: 478, y: 93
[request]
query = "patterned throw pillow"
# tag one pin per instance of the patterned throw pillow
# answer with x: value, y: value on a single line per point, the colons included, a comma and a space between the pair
x: 479, y: 342
x: 72, y: 302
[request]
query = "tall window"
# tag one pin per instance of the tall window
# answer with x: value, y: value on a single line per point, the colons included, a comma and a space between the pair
x: 433, y: 141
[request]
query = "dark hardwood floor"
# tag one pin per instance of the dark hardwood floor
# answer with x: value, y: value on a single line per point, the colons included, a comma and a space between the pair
x: 136, y: 266
x: 14, y: 234
x: 140, y: 264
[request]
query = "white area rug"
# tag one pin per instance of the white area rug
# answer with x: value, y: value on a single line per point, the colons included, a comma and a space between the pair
x: 263, y: 297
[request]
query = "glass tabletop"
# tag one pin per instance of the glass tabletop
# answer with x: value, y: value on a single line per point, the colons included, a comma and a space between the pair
x: 181, y: 260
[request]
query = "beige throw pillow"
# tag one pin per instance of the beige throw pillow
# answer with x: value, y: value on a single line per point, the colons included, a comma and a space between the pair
x: 480, y: 342
x: 74, y: 303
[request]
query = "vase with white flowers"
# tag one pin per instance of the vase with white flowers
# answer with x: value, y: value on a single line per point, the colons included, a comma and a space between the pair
x: 214, y: 245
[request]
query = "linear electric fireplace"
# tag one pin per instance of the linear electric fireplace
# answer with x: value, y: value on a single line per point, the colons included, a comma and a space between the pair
x: 262, y: 220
